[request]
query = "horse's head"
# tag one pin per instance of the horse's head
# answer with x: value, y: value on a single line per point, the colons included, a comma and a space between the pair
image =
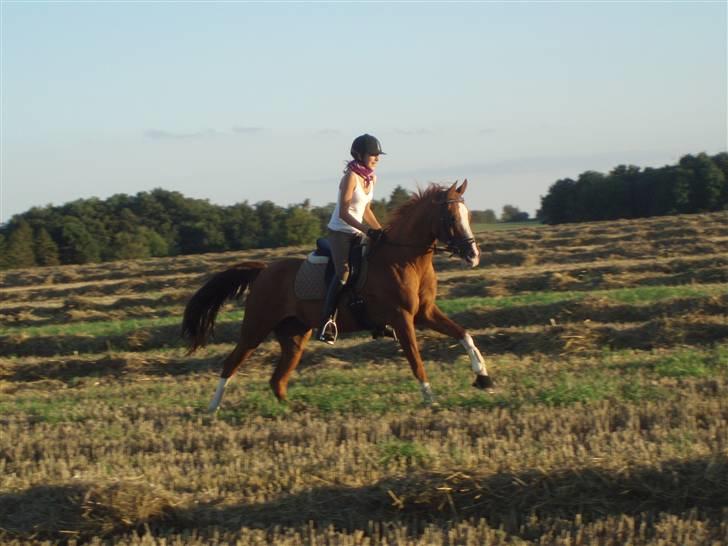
x: 453, y: 225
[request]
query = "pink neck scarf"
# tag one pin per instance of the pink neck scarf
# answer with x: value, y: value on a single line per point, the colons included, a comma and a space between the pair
x: 362, y: 170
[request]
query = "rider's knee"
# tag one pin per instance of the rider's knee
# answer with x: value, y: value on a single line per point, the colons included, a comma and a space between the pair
x: 344, y: 276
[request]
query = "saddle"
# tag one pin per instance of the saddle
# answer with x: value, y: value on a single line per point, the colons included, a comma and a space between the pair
x: 317, y: 271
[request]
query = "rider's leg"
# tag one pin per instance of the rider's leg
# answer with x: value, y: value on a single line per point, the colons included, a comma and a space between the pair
x: 328, y: 331
x: 340, y: 243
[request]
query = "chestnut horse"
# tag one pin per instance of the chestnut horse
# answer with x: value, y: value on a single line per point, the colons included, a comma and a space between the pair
x: 400, y: 290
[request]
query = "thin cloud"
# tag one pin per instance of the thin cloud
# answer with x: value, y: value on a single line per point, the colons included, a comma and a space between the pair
x: 247, y: 130
x: 536, y: 164
x: 329, y: 132
x: 412, y: 132
x: 159, y: 134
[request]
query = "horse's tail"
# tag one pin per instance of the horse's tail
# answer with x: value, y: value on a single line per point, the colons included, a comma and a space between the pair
x: 199, y: 318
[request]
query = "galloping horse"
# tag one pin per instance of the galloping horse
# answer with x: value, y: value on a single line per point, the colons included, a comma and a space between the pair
x: 400, y: 290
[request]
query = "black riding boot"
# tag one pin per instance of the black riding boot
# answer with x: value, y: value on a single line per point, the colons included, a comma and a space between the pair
x: 328, y: 331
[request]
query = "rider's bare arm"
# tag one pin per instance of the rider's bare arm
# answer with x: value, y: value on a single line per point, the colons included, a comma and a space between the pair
x: 370, y: 218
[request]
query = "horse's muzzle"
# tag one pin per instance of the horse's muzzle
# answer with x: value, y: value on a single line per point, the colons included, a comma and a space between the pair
x: 472, y: 255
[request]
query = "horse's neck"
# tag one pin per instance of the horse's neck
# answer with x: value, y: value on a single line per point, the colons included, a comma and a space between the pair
x: 412, y: 237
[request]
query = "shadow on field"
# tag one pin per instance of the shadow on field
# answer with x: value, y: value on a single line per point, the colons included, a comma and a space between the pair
x: 68, y: 370
x: 527, y: 504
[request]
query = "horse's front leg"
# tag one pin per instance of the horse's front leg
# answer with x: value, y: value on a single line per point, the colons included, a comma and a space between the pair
x: 432, y: 317
x: 405, y: 328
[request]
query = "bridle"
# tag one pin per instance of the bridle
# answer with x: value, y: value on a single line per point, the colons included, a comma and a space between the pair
x: 455, y: 245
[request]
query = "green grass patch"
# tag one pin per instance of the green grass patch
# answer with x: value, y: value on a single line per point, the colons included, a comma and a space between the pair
x: 693, y: 363
x: 378, y: 390
x: 505, y: 226
x: 410, y: 453
x: 678, y: 363
x: 649, y: 294
x: 570, y: 388
x: 110, y: 327
x: 633, y: 296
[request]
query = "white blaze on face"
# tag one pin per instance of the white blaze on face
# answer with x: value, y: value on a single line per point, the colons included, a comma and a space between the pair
x: 464, y: 227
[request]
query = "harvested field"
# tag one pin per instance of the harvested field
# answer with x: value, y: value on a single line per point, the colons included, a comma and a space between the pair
x: 609, y: 425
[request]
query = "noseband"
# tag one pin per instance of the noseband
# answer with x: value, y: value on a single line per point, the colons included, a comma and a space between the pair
x: 456, y: 245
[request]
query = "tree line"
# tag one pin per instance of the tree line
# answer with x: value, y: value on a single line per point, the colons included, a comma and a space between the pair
x: 697, y: 183
x: 163, y: 223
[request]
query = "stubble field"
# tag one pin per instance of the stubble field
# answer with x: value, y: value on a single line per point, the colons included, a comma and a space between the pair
x: 608, y: 343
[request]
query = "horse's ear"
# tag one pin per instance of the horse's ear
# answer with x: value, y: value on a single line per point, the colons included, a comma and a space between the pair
x: 453, y: 187
x: 461, y: 189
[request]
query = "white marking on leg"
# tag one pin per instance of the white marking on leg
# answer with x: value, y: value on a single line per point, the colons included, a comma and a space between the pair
x: 427, y: 396
x: 476, y: 359
x: 218, y: 395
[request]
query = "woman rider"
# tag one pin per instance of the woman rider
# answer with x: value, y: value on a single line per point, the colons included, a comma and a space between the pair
x: 353, y: 210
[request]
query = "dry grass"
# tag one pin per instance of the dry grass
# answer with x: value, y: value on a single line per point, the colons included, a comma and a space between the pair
x: 609, y: 425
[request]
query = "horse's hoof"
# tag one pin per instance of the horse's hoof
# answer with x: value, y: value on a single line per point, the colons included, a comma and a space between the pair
x: 483, y: 382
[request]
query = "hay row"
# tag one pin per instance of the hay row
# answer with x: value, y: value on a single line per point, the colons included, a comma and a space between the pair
x: 580, y: 275
x: 550, y: 338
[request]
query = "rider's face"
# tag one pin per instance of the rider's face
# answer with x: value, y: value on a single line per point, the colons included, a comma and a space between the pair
x: 371, y: 161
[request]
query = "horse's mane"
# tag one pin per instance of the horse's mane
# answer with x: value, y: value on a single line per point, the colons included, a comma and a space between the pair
x: 405, y: 210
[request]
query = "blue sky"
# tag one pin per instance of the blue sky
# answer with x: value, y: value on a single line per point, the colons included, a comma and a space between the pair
x: 260, y: 101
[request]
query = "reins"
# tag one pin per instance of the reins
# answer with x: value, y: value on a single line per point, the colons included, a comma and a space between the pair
x: 451, y: 245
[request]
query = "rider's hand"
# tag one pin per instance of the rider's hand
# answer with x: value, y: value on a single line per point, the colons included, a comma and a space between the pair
x: 375, y: 234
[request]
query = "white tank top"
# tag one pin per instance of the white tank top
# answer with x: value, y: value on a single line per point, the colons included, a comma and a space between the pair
x: 359, y: 201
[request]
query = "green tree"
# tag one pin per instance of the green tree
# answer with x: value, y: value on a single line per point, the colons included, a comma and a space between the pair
x: 45, y: 248
x: 19, y: 251
x: 707, y: 182
x: 200, y: 236
x: 157, y: 244
x: 77, y: 245
x: 323, y: 214
x: 398, y: 197
x: 558, y: 205
x: 379, y: 208
x: 721, y: 161
x: 272, y: 229
x: 301, y: 226
x: 130, y: 245
x: 486, y: 216
x: 513, y: 214
x: 241, y: 227
x: 3, y: 252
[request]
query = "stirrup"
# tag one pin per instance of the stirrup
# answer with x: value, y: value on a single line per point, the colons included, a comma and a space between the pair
x: 385, y: 331
x: 327, y: 336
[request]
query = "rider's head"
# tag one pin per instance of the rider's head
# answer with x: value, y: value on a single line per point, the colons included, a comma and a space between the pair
x: 364, y: 148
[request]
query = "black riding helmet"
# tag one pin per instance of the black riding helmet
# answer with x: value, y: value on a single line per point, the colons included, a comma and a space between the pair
x: 365, y: 145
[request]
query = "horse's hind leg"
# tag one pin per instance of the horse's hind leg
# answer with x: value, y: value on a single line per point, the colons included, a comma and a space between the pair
x: 230, y: 366
x: 293, y: 337
x: 252, y: 334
